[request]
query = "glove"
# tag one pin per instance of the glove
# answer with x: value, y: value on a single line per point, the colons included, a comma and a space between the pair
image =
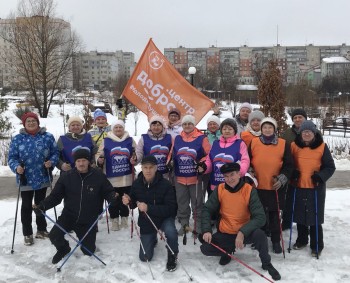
x: 170, y: 166
x: 201, y: 165
x: 295, y: 175
x: 38, y: 209
x: 276, y: 183
x: 316, y: 178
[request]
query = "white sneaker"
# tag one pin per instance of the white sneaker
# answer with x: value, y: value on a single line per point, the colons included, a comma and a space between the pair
x: 124, y: 222
x: 115, y: 224
x: 28, y: 240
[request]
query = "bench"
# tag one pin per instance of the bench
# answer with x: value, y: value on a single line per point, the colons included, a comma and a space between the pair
x: 337, y: 125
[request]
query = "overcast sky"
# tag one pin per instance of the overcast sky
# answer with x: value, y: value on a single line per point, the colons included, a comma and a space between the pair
x: 108, y: 25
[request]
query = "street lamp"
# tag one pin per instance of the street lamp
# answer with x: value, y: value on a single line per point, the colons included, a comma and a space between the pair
x: 192, y: 71
x: 339, y: 95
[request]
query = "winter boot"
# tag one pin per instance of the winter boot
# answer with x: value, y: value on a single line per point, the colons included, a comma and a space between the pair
x: 314, y: 253
x: 224, y: 259
x: 115, y: 224
x: 171, y: 265
x: 298, y: 246
x: 28, y: 240
x: 183, y: 229
x: 272, y: 271
x: 41, y: 234
x: 124, y: 222
x: 60, y: 254
x: 276, y: 248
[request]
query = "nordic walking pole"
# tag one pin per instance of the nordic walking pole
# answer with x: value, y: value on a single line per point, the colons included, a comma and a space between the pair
x: 162, y: 237
x: 107, y: 217
x: 74, y: 239
x: 291, y: 224
x: 195, y: 213
x: 279, y: 219
x: 82, y: 239
x: 316, y: 220
x: 143, y: 249
x: 49, y: 175
x: 14, y: 227
x: 241, y: 262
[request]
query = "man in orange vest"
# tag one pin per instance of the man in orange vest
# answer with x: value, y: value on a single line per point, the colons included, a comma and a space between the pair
x: 238, y: 224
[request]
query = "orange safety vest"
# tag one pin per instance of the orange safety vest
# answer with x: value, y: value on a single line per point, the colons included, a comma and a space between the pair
x: 267, y: 161
x: 307, y: 161
x: 234, y: 208
x: 247, y: 137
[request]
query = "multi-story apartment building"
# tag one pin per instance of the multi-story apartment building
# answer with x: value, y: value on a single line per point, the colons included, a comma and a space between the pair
x: 245, y: 63
x: 100, y: 70
x: 335, y: 66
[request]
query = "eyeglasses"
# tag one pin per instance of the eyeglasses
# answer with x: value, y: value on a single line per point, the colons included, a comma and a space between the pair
x: 307, y: 132
x: 31, y: 121
x: 187, y: 124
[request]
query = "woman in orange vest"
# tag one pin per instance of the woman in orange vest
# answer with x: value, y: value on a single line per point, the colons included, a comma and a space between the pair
x: 272, y: 162
x: 314, y: 166
x: 253, y: 128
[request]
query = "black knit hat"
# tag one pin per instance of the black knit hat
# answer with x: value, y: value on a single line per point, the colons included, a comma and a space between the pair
x: 150, y: 159
x: 299, y: 111
x: 81, y: 152
x: 230, y: 167
x: 229, y: 122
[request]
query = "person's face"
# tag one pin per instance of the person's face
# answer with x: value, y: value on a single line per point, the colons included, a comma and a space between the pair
x: 244, y: 113
x: 298, y: 120
x: 213, y: 127
x: 101, y: 122
x: 232, y: 178
x: 156, y: 128
x: 118, y: 130
x: 267, y: 129
x: 31, y: 124
x: 75, y: 127
x: 227, y: 131
x: 82, y: 165
x: 149, y: 171
x: 307, y: 136
x: 173, y: 118
x: 255, y: 124
x: 188, y: 127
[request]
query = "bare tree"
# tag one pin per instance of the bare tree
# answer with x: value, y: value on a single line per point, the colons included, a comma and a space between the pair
x: 42, y: 46
x: 270, y: 94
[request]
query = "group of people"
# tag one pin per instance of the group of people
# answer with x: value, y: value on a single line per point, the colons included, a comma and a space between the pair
x: 240, y: 165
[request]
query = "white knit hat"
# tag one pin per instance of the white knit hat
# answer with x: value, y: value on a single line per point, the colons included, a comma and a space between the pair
x: 188, y: 119
x: 214, y: 119
x: 269, y: 120
x: 246, y: 105
x: 257, y: 114
x: 75, y: 119
x: 118, y: 122
x: 157, y: 118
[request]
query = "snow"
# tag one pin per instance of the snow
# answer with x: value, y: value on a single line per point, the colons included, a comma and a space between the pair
x: 335, y: 60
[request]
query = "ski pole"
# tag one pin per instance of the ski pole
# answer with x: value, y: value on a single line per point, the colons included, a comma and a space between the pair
x: 107, y: 217
x: 241, y: 262
x: 291, y: 224
x: 49, y: 175
x: 143, y: 249
x: 14, y: 227
x: 167, y: 245
x: 280, y: 224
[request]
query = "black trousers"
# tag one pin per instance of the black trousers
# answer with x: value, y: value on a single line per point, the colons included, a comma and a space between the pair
x: 227, y: 242
x: 303, y: 236
x: 120, y: 209
x: 272, y: 225
x: 57, y: 236
x: 27, y: 211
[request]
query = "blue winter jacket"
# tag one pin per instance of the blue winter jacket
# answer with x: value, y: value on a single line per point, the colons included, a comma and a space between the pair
x: 33, y: 151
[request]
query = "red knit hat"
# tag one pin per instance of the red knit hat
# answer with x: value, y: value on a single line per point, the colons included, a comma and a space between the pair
x: 25, y: 116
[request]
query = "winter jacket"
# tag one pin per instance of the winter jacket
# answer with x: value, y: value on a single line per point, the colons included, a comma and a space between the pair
x: 290, y: 134
x: 212, y: 206
x: 206, y: 148
x: 76, y: 138
x: 82, y: 194
x: 304, y: 209
x: 98, y: 134
x: 213, y: 136
x: 159, y: 195
x: 174, y: 129
x: 33, y: 151
x: 241, y: 125
x: 122, y: 181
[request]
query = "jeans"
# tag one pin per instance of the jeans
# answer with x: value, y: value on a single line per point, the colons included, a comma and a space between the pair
x: 150, y: 240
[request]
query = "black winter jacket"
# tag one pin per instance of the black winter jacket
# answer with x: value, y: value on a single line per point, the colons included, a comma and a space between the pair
x: 82, y: 196
x: 160, y: 199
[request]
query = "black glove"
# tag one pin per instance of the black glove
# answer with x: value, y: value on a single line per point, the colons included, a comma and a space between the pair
x: 316, y: 178
x: 248, y: 180
x: 38, y: 209
x: 296, y: 175
x: 202, y: 165
x: 170, y: 166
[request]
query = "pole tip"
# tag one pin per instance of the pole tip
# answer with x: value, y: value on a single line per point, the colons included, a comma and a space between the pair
x: 12, y: 251
x: 58, y: 269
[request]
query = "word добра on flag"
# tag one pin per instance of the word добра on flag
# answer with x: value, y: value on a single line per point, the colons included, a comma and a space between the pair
x: 156, y: 87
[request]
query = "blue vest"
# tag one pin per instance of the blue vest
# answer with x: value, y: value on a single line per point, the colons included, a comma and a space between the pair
x: 219, y: 156
x: 159, y: 149
x: 186, y: 155
x: 69, y: 145
x: 117, y: 156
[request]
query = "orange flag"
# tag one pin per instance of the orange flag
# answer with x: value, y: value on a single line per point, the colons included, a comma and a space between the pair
x: 156, y: 87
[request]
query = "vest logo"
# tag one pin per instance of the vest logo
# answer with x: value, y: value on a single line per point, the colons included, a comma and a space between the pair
x: 155, y: 61
x: 120, y: 155
x: 186, y: 155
